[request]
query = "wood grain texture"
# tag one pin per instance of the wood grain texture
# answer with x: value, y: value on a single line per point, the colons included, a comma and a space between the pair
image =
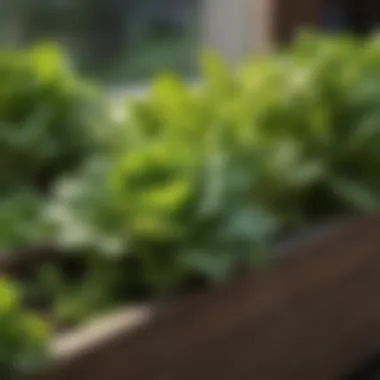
x: 315, y: 314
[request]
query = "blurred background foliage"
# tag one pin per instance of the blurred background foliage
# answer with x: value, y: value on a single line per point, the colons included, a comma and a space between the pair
x: 110, y: 40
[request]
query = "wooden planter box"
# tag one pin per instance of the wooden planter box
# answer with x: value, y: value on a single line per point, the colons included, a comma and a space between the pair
x: 313, y: 314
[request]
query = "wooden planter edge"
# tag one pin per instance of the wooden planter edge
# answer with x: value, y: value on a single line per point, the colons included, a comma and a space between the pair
x: 332, y: 270
x: 67, y: 346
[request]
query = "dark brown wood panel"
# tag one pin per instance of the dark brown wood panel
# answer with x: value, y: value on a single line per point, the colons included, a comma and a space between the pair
x: 290, y: 16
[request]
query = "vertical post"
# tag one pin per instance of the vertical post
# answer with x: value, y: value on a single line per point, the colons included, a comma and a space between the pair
x: 236, y: 28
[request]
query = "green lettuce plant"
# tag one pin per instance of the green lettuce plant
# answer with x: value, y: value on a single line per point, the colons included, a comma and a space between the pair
x: 175, y: 199
x: 48, y: 117
x: 50, y: 121
x: 201, y: 180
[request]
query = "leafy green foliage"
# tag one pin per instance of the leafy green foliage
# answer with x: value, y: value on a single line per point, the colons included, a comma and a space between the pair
x: 47, y: 117
x: 194, y: 182
x: 75, y: 300
x: 49, y: 121
x: 205, y: 178
x: 22, y: 222
x: 158, y: 206
x: 23, y: 336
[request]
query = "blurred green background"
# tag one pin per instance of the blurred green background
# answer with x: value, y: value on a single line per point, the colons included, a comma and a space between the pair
x: 112, y: 41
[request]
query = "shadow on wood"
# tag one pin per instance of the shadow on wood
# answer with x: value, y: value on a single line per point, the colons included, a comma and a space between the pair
x: 315, y: 314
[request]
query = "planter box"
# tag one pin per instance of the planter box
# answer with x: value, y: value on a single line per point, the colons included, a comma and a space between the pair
x: 314, y: 314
